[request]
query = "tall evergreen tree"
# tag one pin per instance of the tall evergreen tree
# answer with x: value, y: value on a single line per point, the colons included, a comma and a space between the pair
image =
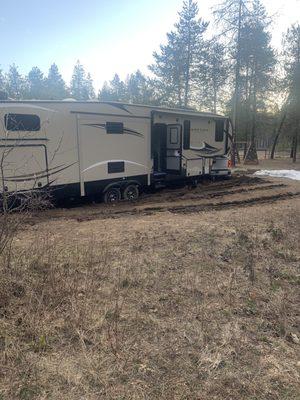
x: 55, y: 85
x: 168, y: 72
x: 216, y: 72
x: 15, y: 84
x: 81, y: 87
x: 231, y: 15
x: 115, y: 90
x: 257, y: 67
x: 178, y: 64
x: 35, y: 84
x: 118, y: 88
x: 3, y: 93
x: 292, y: 83
x: 105, y: 93
x: 138, y: 89
x: 2, y: 80
x: 90, y: 91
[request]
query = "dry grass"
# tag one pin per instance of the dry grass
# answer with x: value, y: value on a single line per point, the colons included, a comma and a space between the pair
x: 172, y: 309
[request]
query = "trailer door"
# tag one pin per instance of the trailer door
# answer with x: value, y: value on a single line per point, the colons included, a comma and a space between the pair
x: 173, y: 149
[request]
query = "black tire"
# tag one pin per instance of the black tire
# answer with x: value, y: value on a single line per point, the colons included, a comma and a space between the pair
x: 112, y: 195
x: 131, y: 192
x: 193, y: 184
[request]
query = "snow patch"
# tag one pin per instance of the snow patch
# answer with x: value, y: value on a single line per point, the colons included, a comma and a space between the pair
x: 280, y: 173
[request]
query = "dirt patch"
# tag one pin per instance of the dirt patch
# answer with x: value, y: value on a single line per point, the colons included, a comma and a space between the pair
x: 153, y: 304
x: 240, y: 190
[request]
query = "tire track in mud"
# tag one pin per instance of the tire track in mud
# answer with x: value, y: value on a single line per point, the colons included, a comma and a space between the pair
x: 208, y: 195
x: 207, y: 186
x: 192, y: 208
x: 180, y: 200
x: 235, y: 203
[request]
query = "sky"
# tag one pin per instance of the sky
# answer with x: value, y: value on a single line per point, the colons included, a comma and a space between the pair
x: 107, y: 36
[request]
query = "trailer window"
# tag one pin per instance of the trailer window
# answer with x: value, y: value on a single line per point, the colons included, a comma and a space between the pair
x: 219, y: 131
x: 114, y: 127
x: 22, y: 122
x: 174, y: 135
x: 115, y: 167
x: 186, y: 134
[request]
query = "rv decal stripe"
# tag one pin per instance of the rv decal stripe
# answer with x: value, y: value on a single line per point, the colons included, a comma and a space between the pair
x: 132, y: 132
x: 34, y: 173
x: 35, y: 177
x: 100, y: 126
x: 107, y: 161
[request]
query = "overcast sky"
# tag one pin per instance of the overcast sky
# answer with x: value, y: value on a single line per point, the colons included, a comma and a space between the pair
x: 107, y: 36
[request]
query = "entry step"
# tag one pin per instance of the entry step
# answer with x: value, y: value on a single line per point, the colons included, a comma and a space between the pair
x: 158, y: 176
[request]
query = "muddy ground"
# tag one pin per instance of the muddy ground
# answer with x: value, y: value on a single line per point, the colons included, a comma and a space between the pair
x: 185, y: 294
x: 240, y: 190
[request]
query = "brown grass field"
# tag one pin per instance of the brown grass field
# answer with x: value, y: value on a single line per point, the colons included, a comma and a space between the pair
x: 187, y: 294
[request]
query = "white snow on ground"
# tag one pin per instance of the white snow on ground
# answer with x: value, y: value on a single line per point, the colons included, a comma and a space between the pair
x: 280, y: 173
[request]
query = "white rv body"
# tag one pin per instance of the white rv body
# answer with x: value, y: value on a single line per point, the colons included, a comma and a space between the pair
x: 82, y: 148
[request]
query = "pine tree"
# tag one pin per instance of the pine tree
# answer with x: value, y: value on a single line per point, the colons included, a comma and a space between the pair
x: 138, y: 89
x: 216, y: 72
x: 292, y: 83
x: 36, y: 84
x: 90, y: 92
x: 2, y: 81
x: 115, y: 90
x: 55, y: 85
x: 168, y: 71
x: 232, y: 14
x: 118, y: 88
x: 81, y: 87
x: 15, y: 84
x: 105, y: 94
x: 257, y: 61
x: 3, y: 93
x: 178, y: 65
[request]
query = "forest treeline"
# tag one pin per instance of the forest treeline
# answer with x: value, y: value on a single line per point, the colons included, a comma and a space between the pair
x: 234, y: 71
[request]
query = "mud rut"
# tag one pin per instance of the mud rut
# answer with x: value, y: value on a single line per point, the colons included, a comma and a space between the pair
x: 239, y: 191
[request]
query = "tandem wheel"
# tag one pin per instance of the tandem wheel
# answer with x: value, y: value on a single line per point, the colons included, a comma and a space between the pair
x: 131, y: 192
x: 112, y: 195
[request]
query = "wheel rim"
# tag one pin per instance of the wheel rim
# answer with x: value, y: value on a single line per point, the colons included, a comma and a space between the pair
x: 113, y: 197
x: 131, y: 193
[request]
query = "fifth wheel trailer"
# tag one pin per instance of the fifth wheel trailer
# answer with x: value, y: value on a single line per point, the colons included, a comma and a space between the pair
x: 71, y: 148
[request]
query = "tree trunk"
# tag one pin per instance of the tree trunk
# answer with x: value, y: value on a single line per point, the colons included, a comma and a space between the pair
x: 247, y: 109
x: 251, y: 156
x: 296, y: 142
x: 187, y: 72
x: 179, y: 97
x: 237, y: 87
x: 277, y: 136
x: 292, y: 147
x: 215, y: 100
